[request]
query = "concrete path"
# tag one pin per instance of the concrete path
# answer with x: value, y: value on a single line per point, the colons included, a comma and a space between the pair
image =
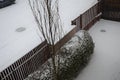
x: 105, y: 62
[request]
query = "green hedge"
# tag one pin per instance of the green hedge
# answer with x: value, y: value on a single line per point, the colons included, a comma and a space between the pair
x: 73, y: 56
x: 78, y: 51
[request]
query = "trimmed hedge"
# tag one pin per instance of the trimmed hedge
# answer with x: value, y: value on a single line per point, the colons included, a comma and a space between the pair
x: 76, y: 54
x: 73, y: 56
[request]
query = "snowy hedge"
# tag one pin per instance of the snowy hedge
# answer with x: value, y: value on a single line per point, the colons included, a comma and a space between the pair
x: 73, y: 56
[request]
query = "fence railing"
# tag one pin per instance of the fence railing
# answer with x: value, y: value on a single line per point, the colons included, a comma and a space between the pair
x: 33, y: 60
x: 88, y: 18
x: 27, y: 64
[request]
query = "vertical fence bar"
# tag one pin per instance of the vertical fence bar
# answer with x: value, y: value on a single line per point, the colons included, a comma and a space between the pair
x: 81, y: 26
x: 78, y: 22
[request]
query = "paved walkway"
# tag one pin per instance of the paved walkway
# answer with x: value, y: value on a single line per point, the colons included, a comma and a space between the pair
x: 105, y: 62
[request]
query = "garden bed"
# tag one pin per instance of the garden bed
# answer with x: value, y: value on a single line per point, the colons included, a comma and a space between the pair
x: 72, y: 57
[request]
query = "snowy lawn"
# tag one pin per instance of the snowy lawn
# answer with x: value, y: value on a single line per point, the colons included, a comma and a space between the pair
x: 105, y: 62
x: 13, y: 44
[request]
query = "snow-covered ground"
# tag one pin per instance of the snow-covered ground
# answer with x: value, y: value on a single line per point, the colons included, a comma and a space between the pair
x: 105, y: 62
x: 13, y: 44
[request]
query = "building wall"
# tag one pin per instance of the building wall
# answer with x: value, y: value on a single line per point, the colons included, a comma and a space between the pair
x: 111, y: 9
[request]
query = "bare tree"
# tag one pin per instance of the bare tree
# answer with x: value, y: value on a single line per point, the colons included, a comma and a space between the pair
x: 46, y: 13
